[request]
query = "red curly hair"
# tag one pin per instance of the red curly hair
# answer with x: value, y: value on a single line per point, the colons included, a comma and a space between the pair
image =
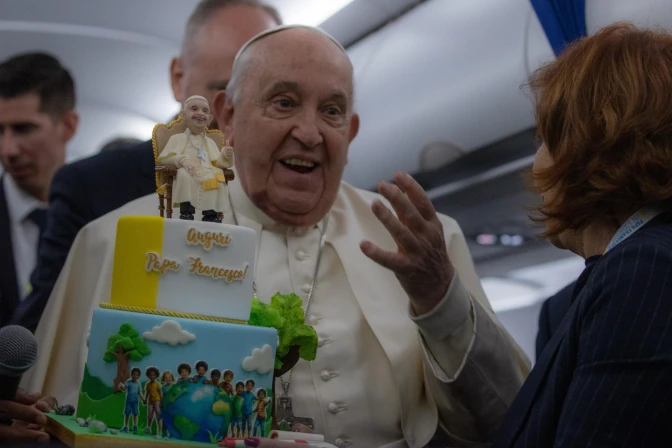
x: 604, y: 112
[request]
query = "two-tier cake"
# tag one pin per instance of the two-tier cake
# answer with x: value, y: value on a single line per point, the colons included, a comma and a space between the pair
x: 171, y: 355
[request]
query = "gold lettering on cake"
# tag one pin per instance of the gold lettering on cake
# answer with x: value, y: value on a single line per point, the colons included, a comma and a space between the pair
x: 157, y: 264
x: 198, y: 268
x: 207, y: 239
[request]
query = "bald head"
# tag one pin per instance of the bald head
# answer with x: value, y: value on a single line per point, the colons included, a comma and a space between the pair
x: 289, y: 117
x: 306, y: 40
x: 207, y: 9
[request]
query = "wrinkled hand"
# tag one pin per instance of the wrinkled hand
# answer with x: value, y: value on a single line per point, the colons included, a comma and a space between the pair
x: 27, y: 413
x: 421, y: 262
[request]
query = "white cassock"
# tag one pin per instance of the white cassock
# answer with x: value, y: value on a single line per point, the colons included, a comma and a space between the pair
x: 382, y: 376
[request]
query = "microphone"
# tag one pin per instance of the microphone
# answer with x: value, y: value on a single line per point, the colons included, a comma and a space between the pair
x: 18, y: 353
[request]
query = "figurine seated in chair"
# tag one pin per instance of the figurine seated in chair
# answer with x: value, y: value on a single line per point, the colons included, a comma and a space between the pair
x: 200, y: 182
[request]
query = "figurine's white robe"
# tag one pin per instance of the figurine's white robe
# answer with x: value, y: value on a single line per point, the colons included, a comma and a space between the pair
x: 207, y: 189
x: 382, y: 376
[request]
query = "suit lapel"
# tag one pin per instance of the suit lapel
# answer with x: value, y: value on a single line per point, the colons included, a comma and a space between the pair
x: 520, y: 410
x: 9, y: 288
x: 146, y: 168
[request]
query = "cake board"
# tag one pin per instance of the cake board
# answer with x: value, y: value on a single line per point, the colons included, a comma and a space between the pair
x: 67, y: 431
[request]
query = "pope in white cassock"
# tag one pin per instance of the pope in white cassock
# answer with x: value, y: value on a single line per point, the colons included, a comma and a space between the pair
x: 200, y: 182
x: 410, y: 349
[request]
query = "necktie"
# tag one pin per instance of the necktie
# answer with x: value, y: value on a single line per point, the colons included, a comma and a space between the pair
x: 39, y: 218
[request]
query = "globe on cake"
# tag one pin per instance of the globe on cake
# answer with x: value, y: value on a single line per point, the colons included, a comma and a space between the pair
x: 197, y: 412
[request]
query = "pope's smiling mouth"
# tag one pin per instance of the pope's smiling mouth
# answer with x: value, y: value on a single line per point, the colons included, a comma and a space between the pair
x: 299, y: 165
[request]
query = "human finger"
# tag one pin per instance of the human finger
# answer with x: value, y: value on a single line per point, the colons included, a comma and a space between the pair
x: 20, y: 424
x: 393, y: 261
x: 18, y: 434
x: 25, y: 413
x: 46, y: 404
x: 416, y: 195
x: 400, y: 233
x: 406, y: 211
x: 24, y: 397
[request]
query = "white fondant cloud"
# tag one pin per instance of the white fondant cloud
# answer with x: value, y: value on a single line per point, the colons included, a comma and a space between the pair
x: 169, y: 332
x: 260, y: 360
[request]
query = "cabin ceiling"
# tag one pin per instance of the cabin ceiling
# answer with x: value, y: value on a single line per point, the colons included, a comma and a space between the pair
x: 437, y: 81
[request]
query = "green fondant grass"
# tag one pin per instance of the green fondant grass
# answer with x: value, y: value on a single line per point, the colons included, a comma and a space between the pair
x: 71, y: 424
x: 94, y: 387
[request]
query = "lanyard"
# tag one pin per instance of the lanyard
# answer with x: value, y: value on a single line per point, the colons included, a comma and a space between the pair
x: 633, y: 224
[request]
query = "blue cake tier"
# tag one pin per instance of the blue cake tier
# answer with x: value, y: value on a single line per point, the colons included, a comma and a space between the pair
x: 189, y: 398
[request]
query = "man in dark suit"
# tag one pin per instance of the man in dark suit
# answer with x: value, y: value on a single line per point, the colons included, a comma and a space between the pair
x: 551, y: 314
x: 86, y: 190
x: 37, y: 120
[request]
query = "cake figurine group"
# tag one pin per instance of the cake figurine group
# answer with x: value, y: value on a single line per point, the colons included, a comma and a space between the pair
x: 182, y: 350
x: 200, y: 183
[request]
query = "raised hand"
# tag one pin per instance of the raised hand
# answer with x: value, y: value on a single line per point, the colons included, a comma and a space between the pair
x: 421, y: 262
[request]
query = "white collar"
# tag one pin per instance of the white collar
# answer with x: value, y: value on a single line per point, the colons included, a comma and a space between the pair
x: 19, y: 203
x: 242, y: 205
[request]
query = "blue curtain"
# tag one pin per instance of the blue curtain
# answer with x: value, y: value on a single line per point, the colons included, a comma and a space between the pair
x: 564, y: 21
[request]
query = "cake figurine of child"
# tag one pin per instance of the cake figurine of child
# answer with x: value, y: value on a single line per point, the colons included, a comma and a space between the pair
x: 200, y: 182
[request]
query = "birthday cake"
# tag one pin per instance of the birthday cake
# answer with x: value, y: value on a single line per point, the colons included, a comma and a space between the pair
x: 171, y: 355
x: 182, y: 351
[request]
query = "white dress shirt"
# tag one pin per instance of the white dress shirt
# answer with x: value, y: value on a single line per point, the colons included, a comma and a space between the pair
x: 25, y: 233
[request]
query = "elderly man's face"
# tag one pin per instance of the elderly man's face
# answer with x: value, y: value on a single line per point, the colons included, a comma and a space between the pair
x: 292, y: 125
x: 206, y: 69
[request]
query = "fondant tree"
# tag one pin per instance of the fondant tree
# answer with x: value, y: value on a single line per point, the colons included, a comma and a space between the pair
x: 295, y: 338
x: 122, y: 346
x: 285, y: 314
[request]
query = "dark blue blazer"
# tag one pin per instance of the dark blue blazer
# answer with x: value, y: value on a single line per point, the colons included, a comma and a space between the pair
x: 551, y: 314
x: 9, y: 284
x: 80, y: 193
x: 605, y: 378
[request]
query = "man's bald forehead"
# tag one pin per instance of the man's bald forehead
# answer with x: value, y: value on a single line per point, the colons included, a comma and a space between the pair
x: 248, y: 59
x: 279, y: 29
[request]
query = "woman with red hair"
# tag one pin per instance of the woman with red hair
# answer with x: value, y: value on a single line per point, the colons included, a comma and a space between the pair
x: 604, y: 172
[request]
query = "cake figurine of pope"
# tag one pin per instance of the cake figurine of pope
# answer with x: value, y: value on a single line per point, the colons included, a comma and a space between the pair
x: 200, y: 182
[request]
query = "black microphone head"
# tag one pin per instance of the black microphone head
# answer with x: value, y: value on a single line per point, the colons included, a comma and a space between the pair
x: 18, y: 350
